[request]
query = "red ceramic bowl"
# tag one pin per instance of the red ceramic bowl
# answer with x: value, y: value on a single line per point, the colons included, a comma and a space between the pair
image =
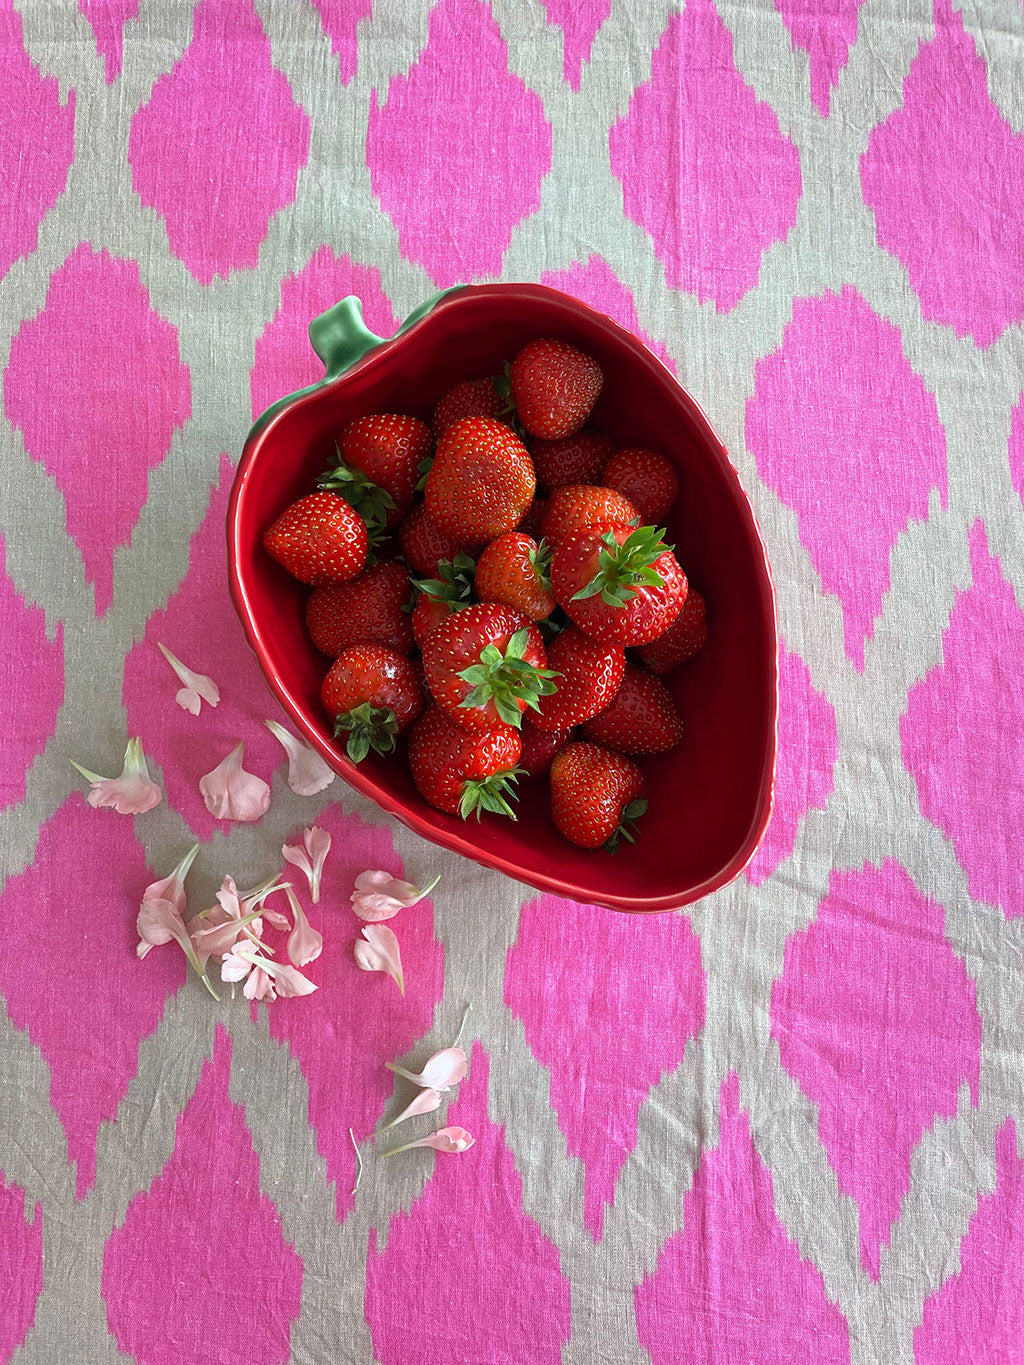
x: 710, y: 798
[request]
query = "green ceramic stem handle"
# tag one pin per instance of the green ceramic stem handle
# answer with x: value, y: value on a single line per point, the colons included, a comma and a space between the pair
x: 340, y: 337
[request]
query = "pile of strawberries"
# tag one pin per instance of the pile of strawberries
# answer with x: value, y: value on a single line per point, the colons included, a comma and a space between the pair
x: 529, y: 565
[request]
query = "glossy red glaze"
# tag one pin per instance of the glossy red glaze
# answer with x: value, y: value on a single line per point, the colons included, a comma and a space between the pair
x: 710, y: 798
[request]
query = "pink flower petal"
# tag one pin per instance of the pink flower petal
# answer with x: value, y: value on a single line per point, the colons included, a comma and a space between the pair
x: 440, y: 1072
x: 305, y: 944
x: 379, y: 896
x: 231, y: 793
x: 259, y: 986
x: 172, y: 888
x: 287, y: 981
x: 234, y: 968
x: 378, y: 951
x: 311, y: 861
x: 444, y: 1140
x: 157, y: 923
x: 425, y: 1102
x: 307, y: 771
x: 131, y: 793
x: 197, y: 687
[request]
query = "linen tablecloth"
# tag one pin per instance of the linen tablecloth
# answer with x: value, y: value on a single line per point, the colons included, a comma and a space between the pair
x: 782, y: 1127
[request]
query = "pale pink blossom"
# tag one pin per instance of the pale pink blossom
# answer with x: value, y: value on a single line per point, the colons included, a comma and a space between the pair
x: 305, y: 944
x: 444, y: 1140
x: 379, y: 896
x: 310, y: 859
x: 132, y: 792
x: 425, y: 1102
x: 196, y: 687
x: 215, y: 931
x: 231, y: 793
x: 307, y: 771
x: 172, y: 888
x: 442, y: 1071
x: 378, y: 951
x: 159, y: 922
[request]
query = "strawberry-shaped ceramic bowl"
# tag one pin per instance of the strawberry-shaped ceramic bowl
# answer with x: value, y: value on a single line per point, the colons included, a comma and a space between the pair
x: 710, y: 797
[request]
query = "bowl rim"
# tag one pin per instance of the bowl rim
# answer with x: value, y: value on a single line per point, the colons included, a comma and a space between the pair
x: 421, y: 822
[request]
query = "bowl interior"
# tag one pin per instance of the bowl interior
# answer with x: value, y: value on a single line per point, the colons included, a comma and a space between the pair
x: 709, y: 797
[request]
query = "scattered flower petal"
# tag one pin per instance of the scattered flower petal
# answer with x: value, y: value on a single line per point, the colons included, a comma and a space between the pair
x: 257, y: 898
x: 444, y: 1140
x: 160, y: 921
x: 378, y: 951
x: 311, y: 861
x: 379, y: 896
x: 234, y: 967
x: 440, y: 1072
x: 426, y: 1102
x: 259, y: 986
x: 231, y: 793
x: 359, y: 1160
x: 172, y: 888
x: 287, y: 981
x: 307, y: 771
x: 131, y: 793
x: 305, y: 944
x: 197, y: 686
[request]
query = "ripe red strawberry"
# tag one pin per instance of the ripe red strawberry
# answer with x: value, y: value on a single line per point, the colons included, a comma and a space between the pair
x: 530, y: 522
x: 620, y: 585
x: 485, y: 665
x: 471, y: 398
x: 594, y: 795
x: 437, y: 598
x: 554, y: 387
x: 578, y: 505
x: 423, y: 545
x: 641, y: 718
x: 539, y: 749
x: 517, y: 571
x: 460, y: 771
x: 378, y: 464
x: 369, y: 609
x: 373, y: 694
x: 481, y: 481
x: 684, y: 637
x: 319, y: 539
x: 590, y: 674
x: 646, y: 478
x: 572, y: 459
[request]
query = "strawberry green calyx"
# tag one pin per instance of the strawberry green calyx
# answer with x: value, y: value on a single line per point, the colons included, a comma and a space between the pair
x: 503, y: 386
x: 623, y: 569
x: 368, y: 727
x: 541, y: 561
x: 423, y: 469
x: 627, y: 824
x: 507, y: 679
x: 372, y: 502
x: 454, y: 581
x: 489, y: 793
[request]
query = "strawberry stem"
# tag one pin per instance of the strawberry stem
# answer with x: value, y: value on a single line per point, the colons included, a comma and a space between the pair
x: 368, y: 727
x: 622, y: 570
x: 488, y: 793
x: 372, y: 502
x: 506, y: 679
x: 627, y: 824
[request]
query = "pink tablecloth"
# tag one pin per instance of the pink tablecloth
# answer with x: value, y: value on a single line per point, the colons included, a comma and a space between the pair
x: 781, y: 1128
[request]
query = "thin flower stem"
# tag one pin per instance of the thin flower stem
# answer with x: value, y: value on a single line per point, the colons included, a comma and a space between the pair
x: 359, y: 1160
x: 426, y: 890
x: 465, y: 1016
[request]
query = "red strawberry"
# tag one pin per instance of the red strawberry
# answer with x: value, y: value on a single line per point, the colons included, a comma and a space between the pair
x: 471, y: 398
x: 460, y: 771
x: 529, y: 522
x: 378, y: 464
x: 578, y: 505
x: 319, y: 539
x: 516, y: 570
x: 620, y: 585
x: 485, y: 665
x: 590, y: 676
x: 423, y: 545
x: 641, y: 718
x: 539, y: 748
x: 572, y: 459
x: 438, y: 597
x: 684, y: 637
x: 646, y: 478
x: 594, y: 795
x: 481, y: 481
x: 369, y: 609
x: 554, y: 387
x: 373, y: 694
